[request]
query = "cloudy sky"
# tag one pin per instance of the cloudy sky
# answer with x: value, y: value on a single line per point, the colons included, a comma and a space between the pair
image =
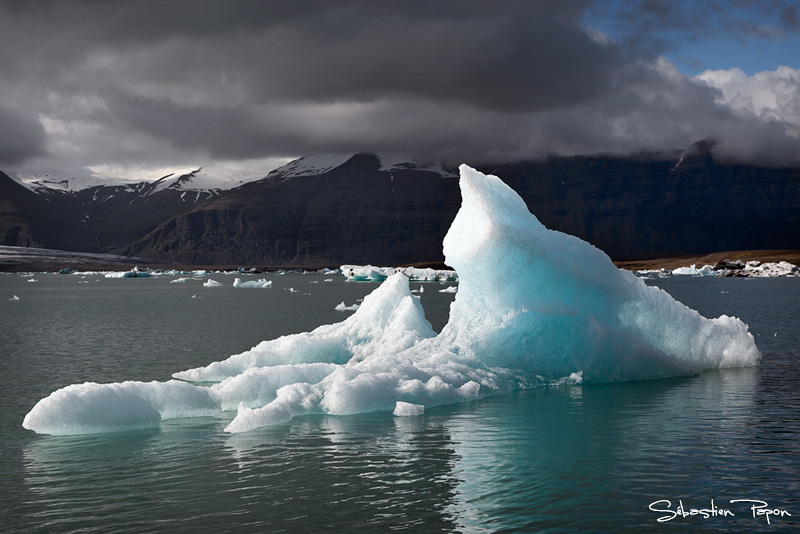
x: 129, y: 87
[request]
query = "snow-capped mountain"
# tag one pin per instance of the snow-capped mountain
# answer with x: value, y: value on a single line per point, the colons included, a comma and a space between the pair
x: 363, y: 208
x: 184, y: 179
x: 317, y: 164
x: 312, y: 165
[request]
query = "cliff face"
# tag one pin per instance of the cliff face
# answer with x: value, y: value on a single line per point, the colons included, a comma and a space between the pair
x: 52, y: 220
x: 355, y: 212
x: 630, y: 207
x: 361, y: 212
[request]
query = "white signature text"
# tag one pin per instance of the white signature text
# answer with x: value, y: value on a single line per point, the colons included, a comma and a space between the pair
x: 756, y: 507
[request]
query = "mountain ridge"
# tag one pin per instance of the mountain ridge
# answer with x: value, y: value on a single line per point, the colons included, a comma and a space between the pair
x: 363, y: 208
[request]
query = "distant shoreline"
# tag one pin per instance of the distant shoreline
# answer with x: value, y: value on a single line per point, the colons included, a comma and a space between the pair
x: 687, y: 260
x: 22, y: 260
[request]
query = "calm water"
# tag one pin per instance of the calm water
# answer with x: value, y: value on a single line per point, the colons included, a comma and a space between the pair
x: 568, y: 459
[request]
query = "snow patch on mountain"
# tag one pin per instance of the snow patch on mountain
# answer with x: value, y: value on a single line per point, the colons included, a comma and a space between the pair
x: 311, y: 165
x: 316, y: 164
x: 48, y: 182
x: 399, y: 162
x: 204, y: 179
x: 208, y: 178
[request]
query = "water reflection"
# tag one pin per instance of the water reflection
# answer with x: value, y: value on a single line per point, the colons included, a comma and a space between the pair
x: 593, y: 457
x: 548, y: 459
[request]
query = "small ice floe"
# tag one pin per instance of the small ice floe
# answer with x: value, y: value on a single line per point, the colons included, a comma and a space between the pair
x: 291, y: 290
x: 342, y: 307
x: 212, y: 283
x: 181, y: 280
x: 260, y: 283
x: 369, y: 273
x: 770, y: 270
x: 14, y: 298
x: 196, y: 297
x: 449, y: 289
x: 407, y: 409
x: 32, y: 280
x: 133, y: 273
x: 705, y: 270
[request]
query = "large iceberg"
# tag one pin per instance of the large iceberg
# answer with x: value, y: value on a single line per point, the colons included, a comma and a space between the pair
x: 534, y: 307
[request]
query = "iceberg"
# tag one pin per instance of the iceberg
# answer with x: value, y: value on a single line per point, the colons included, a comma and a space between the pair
x: 369, y: 273
x: 90, y: 408
x: 260, y: 283
x: 705, y: 270
x: 534, y: 307
x: 133, y: 273
x: 771, y: 270
x: 406, y: 409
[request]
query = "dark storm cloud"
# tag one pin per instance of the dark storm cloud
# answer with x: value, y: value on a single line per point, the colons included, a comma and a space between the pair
x: 488, y: 55
x: 21, y: 137
x: 454, y: 80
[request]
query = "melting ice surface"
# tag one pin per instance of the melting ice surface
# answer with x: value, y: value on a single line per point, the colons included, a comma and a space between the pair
x: 534, y: 307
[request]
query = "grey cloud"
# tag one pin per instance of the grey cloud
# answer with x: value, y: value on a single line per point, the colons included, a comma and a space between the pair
x: 21, y: 137
x: 454, y: 80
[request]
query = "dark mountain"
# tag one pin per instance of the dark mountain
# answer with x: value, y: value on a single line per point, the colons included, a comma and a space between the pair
x: 94, y: 219
x: 353, y: 212
x: 122, y: 214
x: 361, y: 210
x: 652, y: 205
x: 45, y: 220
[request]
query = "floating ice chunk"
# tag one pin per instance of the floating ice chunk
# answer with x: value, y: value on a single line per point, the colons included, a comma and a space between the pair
x: 533, y: 307
x: 369, y: 273
x: 549, y: 304
x: 705, y: 270
x: 258, y: 386
x: 260, y: 283
x: 133, y: 273
x: 212, y: 283
x: 684, y: 271
x: 90, y: 408
x: 14, y: 298
x: 389, y: 319
x: 342, y: 307
x: 364, y: 387
x: 406, y: 409
x: 366, y: 273
x: 449, y: 289
x: 181, y: 280
x: 779, y: 269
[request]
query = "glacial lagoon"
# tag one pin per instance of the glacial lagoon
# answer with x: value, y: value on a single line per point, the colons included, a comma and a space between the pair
x: 585, y: 457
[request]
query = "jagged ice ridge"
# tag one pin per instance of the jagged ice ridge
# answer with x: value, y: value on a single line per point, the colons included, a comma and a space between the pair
x: 534, y: 307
